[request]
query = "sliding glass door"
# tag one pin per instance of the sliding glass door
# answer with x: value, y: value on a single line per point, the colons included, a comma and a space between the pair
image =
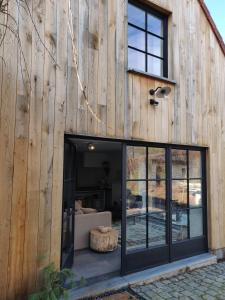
x: 164, y: 205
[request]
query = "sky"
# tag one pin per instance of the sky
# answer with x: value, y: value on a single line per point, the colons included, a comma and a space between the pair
x: 217, y: 10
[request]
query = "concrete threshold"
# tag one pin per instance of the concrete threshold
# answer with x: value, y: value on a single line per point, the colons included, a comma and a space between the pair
x: 146, y: 276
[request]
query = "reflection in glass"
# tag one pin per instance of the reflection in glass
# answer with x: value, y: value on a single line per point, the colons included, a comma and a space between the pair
x: 136, y: 60
x: 157, y: 228
x: 155, y: 25
x: 136, y: 162
x: 179, y: 193
x: 196, y: 222
x: 156, y: 164
x: 156, y: 196
x: 136, y: 16
x: 179, y: 224
x: 155, y: 65
x: 136, y: 38
x: 195, y: 164
x: 195, y: 193
x: 179, y: 163
x: 136, y: 197
x: 155, y: 45
x: 136, y: 232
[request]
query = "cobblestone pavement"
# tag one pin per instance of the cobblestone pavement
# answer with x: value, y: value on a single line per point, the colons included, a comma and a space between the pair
x: 205, y: 283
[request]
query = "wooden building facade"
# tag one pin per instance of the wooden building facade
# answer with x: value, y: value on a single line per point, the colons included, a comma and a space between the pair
x: 41, y: 101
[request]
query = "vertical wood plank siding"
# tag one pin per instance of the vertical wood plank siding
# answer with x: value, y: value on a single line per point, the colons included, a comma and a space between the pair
x: 41, y: 100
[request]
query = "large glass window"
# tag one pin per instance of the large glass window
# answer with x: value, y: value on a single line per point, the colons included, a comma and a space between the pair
x: 147, y: 40
x: 164, y: 196
x: 145, y: 198
x: 187, y: 205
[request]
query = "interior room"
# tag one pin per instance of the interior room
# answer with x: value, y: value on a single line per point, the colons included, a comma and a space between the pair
x: 98, y: 212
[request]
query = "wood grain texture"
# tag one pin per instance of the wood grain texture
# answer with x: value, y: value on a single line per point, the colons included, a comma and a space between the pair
x: 33, y: 120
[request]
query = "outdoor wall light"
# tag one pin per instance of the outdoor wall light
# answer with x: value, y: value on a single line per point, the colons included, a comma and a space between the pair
x: 154, y: 102
x: 159, y: 92
x: 91, y: 147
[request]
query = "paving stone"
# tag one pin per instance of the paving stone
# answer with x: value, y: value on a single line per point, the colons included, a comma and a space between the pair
x: 206, y: 283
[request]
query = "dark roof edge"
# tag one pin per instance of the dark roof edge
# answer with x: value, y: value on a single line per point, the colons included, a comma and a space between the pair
x: 213, y: 25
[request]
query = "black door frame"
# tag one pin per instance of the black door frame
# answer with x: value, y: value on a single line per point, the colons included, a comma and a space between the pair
x: 67, y: 261
x: 138, y: 260
x: 132, y: 263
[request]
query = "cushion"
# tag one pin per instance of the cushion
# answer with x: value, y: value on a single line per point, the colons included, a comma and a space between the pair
x: 88, y: 210
x: 79, y: 212
x: 78, y: 204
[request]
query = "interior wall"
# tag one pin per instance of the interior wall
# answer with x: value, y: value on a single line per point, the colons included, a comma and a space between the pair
x: 91, y: 176
x: 41, y: 100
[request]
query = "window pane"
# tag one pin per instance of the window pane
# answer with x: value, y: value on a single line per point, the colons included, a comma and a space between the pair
x: 136, y: 162
x: 136, y: 38
x: 156, y: 229
x: 179, y: 224
x: 157, y: 213
x: 196, y: 222
x: 155, y: 25
x: 195, y: 193
x: 195, y: 164
x: 136, y: 16
x: 156, y: 163
x: 179, y: 194
x: 136, y: 60
x: 179, y: 163
x: 156, y: 196
x: 155, y: 45
x: 136, y: 232
x: 155, y: 66
x: 136, y: 197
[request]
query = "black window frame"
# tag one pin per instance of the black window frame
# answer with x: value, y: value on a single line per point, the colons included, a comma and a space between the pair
x: 168, y: 193
x: 147, y: 9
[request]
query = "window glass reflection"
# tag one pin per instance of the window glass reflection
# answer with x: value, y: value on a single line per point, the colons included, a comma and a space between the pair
x: 155, y: 65
x: 195, y: 164
x: 179, y: 224
x: 179, y: 194
x: 136, y: 16
x: 196, y: 222
x: 136, y: 232
x: 136, y: 162
x: 156, y: 196
x: 156, y: 164
x: 155, y: 25
x: 157, y: 228
x: 136, y: 38
x: 136, y: 197
x: 179, y: 163
x: 136, y: 60
x: 155, y: 45
x: 195, y: 193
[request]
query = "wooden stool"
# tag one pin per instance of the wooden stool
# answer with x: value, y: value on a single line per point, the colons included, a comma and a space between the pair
x: 103, y: 241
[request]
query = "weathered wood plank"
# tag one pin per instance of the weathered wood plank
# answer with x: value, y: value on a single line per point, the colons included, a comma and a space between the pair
x: 59, y: 129
x: 111, y: 53
x: 34, y: 149
x: 47, y: 137
x: 93, y: 49
x: 17, y: 234
x: 7, y: 135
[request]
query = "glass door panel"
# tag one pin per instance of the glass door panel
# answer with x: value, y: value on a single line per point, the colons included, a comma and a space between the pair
x: 157, y: 213
x: 165, y: 205
x: 136, y: 215
x: 136, y: 198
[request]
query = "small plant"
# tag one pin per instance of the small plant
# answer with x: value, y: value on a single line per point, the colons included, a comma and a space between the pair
x: 55, y: 284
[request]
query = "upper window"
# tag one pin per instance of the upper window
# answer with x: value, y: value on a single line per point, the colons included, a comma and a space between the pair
x: 147, y: 40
